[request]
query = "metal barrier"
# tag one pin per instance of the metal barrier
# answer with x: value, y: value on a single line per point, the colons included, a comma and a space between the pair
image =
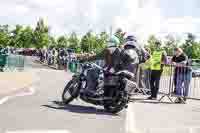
x: 68, y: 65
x: 12, y: 62
x: 3, y: 60
x: 176, y: 81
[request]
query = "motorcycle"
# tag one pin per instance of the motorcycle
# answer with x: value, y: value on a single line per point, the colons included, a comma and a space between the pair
x: 112, y: 90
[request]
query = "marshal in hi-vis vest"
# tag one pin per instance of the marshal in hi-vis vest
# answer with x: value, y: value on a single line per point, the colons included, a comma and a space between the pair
x: 156, y: 60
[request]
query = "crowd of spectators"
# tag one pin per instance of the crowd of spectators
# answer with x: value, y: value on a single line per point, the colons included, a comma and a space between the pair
x: 182, y: 73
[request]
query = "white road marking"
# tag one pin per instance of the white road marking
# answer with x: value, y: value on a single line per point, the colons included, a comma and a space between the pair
x: 130, y: 124
x: 3, y: 100
x: 41, y: 131
x: 31, y: 91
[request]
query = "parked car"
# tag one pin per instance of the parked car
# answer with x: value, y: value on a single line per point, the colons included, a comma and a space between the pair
x: 29, y: 52
x: 195, y: 68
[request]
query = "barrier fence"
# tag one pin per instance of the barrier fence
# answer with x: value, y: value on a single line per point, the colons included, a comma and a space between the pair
x: 176, y: 81
x: 66, y: 64
x: 11, y: 62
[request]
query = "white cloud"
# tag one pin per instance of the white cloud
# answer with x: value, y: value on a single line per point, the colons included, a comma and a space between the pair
x: 142, y: 17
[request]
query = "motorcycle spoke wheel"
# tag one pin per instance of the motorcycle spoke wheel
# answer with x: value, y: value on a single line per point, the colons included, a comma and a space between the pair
x: 118, y: 104
x: 69, y: 91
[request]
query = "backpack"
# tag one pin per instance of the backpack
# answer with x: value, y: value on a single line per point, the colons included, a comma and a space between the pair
x: 129, y: 56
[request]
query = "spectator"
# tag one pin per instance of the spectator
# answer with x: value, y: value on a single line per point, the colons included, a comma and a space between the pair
x: 182, y: 74
x: 146, y: 72
x: 158, y: 58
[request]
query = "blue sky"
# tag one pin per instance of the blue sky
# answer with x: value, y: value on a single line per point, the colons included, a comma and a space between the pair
x: 142, y: 17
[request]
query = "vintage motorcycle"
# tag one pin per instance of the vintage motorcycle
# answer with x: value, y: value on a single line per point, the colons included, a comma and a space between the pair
x: 96, y: 86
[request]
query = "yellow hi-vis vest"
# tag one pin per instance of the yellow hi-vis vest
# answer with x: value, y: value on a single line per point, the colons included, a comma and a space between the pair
x: 156, y: 60
x: 146, y: 65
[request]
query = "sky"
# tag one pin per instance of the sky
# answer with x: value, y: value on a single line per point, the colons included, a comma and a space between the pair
x: 140, y: 17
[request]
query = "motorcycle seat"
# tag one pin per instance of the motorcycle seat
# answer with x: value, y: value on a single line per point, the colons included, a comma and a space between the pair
x: 126, y: 74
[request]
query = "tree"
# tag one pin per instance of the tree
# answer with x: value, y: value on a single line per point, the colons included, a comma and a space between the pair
x: 52, y: 41
x: 195, y: 51
x: 62, y: 41
x: 15, y: 36
x: 26, y: 38
x: 93, y: 43
x: 4, y: 35
x: 102, y: 41
x: 151, y: 43
x: 170, y: 43
x: 190, y: 38
x: 84, y: 44
x: 41, y: 34
x: 190, y: 45
x: 73, y: 41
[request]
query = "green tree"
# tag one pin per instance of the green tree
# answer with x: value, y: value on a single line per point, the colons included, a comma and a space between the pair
x: 170, y: 43
x: 73, y: 41
x: 189, y: 45
x: 102, y: 41
x: 195, y: 50
x: 62, y: 41
x: 52, y: 41
x: 41, y: 34
x: 15, y: 36
x: 4, y: 35
x: 90, y: 42
x: 151, y: 43
x: 26, y: 37
x: 84, y: 44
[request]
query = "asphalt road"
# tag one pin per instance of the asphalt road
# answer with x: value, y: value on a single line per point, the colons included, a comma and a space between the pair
x: 42, y: 113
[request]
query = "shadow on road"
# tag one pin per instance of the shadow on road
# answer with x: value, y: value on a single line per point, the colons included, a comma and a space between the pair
x: 145, y: 100
x: 78, y: 108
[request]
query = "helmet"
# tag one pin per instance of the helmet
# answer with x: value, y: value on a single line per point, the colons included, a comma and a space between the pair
x: 113, y: 41
x: 131, y: 40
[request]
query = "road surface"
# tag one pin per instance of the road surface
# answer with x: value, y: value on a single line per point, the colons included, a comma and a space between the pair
x: 41, y: 112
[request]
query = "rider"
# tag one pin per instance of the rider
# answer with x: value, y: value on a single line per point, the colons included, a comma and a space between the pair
x: 133, y: 54
x: 112, y: 54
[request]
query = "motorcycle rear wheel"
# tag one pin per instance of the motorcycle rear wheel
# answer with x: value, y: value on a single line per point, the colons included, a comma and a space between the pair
x: 119, y: 104
x: 71, y: 90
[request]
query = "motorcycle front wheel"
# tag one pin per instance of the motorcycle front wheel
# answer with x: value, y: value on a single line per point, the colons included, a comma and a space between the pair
x: 120, y: 102
x: 70, y: 91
